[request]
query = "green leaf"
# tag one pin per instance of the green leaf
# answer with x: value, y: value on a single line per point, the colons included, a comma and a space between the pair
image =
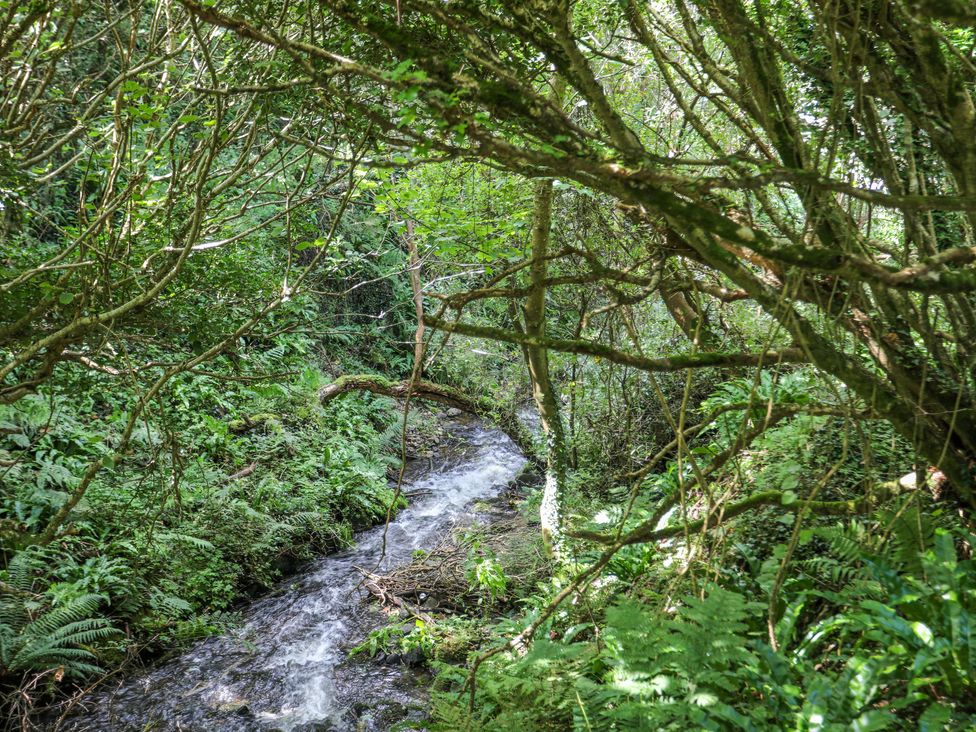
x: 302, y: 246
x: 936, y: 717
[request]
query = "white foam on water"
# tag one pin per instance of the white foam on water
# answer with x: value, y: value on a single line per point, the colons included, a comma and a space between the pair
x: 308, y: 660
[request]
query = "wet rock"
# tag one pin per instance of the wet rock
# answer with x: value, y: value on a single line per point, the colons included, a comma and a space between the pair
x: 413, y: 658
x: 284, y: 564
x: 235, y: 706
x: 381, y: 717
x: 528, y: 477
x: 361, y: 523
x: 454, y: 412
x: 315, y: 727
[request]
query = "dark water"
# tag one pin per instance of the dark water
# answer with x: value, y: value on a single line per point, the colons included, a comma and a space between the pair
x: 287, y: 667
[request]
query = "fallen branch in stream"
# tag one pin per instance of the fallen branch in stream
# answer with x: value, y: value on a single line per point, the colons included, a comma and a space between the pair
x: 438, y: 580
x: 374, y: 583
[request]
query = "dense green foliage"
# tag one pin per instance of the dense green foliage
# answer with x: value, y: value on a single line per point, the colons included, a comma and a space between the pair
x: 234, y: 481
x: 890, y: 648
x: 724, y: 248
x: 873, y: 623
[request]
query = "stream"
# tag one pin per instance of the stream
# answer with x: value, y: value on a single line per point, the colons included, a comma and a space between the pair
x: 287, y: 667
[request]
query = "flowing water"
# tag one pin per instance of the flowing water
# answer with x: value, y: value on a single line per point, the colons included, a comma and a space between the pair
x: 287, y: 667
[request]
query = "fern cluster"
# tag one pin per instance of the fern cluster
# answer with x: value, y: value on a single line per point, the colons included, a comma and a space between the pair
x: 35, y: 638
x: 877, y: 632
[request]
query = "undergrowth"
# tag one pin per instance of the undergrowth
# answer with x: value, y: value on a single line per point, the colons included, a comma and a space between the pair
x: 871, y: 629
x: 229, y: 484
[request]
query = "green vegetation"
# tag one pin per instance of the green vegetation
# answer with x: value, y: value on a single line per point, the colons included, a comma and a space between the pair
x: 233, y: 481
x: 724, y: 249
x: 871, y: 622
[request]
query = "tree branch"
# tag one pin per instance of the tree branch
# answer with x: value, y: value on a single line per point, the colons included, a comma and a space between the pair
x: 591, y: 348
x: 648, y: 533
x: 484, y: 407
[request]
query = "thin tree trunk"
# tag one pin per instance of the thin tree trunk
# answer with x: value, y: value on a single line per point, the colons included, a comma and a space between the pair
x: 537, y: 359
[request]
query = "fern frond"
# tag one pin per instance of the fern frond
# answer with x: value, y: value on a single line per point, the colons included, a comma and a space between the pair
x: 169, y: 537
x: 912, y: 533
x: 54, y: 639
x: 76, y: 609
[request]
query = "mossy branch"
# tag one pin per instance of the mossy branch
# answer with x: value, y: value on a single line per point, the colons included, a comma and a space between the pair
x: 643, y: 363
x: 489, y: 409
x: 648, y: 532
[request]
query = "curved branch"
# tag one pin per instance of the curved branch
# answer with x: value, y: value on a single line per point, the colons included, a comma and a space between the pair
x: 648, y: 533
x: 776, y: 414
x: 507, y: 421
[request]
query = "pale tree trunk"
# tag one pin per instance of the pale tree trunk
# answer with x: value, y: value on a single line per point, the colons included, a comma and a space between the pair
x: 537, y: 359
